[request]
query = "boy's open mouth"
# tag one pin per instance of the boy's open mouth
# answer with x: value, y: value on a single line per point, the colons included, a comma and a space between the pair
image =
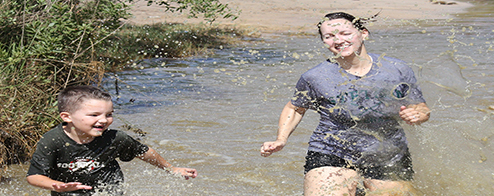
x: 99, y: 127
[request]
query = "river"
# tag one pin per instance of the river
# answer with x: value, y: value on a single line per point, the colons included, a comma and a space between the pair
x: 213, y: 112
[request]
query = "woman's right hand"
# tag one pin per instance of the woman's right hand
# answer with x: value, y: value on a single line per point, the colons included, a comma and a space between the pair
x: 269, y: 148
x: 289, y: 119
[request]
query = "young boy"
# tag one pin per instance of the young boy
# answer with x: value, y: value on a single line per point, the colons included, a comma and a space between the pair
x: 78, y: 157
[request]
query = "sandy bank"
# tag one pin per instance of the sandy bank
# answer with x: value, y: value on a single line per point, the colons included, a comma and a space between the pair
x: 276, y: 16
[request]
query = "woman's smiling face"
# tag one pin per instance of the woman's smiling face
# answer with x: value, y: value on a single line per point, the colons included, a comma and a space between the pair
x: 341, y: 37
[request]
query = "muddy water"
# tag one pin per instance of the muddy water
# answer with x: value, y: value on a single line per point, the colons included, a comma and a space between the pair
x: 212, y: 113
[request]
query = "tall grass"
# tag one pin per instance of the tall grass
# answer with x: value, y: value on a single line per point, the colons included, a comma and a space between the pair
x: 28, y: 102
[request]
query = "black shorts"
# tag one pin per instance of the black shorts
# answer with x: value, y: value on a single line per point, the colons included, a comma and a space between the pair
x: 401, y: 171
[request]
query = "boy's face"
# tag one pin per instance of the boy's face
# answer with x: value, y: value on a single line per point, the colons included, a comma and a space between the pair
x: 92, y: 118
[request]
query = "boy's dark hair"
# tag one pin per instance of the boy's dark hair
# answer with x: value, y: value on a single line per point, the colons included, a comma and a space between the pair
x: 71, y: 97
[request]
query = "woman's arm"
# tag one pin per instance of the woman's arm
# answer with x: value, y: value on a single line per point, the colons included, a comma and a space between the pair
x: 415, y: 114
x: 289, y: 119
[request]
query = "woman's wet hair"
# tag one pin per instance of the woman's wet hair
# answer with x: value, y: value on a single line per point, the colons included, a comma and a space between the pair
x: 357, y: 22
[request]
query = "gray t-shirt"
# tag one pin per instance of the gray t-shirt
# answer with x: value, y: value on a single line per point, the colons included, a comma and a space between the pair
x: 359, y: 115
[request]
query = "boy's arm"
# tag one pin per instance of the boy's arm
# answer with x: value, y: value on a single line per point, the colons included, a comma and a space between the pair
x: 152, y: 157
x: 53, y: 185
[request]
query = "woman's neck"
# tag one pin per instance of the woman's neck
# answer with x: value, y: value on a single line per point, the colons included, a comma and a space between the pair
x: 358, y: 65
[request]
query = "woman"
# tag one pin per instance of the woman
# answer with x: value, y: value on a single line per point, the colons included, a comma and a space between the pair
x: 361, y: 97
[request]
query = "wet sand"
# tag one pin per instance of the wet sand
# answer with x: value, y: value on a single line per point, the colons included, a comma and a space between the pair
x: 301, y: 16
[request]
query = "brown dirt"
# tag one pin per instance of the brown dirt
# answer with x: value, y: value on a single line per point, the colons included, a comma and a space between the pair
x: 301, y: 16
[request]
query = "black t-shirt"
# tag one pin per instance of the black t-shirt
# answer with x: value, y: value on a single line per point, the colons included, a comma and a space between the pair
x: 61, y: 158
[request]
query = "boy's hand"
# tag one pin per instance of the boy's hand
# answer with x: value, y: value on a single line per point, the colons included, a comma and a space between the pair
x: 185, y: 172
x: 269, y: 148
x: 71, y: 186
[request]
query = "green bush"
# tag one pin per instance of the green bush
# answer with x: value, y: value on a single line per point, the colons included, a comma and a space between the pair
x: 209, y: 9
x: 134, y: 43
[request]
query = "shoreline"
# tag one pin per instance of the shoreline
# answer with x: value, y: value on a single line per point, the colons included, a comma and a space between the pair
x: 301, y: 16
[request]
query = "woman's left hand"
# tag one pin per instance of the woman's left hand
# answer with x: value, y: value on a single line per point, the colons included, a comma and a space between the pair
x: 415, y: 114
